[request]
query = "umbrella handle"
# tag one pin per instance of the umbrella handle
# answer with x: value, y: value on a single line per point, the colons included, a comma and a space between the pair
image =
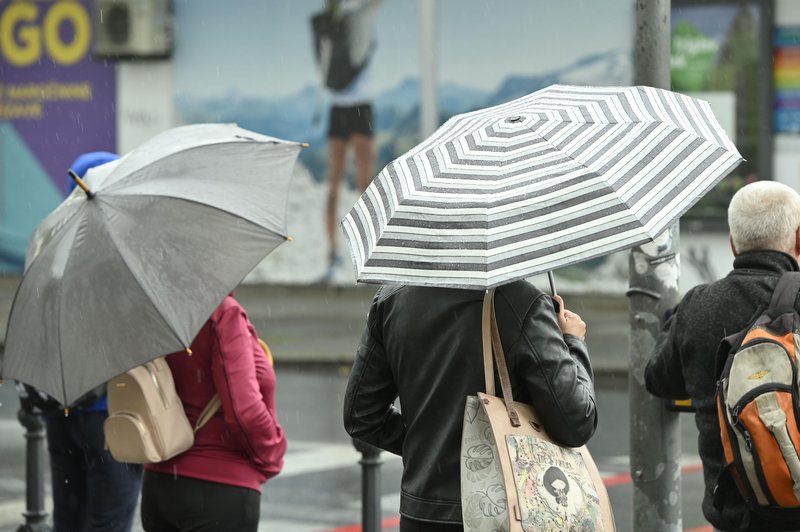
x: 552, y: 283
x: 553, y: 291
x: 80, y: 183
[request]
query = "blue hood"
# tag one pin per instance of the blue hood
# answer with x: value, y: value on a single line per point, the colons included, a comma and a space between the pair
x: 89, y: 160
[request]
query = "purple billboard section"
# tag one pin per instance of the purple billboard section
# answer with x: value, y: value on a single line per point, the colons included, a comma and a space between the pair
x: 60, y: 101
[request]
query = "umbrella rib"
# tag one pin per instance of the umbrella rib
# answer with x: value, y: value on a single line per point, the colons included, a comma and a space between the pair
x: 141, y: 283
x: 184, y: 150
x: 82, y: 225
x: 215, y: 207
x: 590, y: 172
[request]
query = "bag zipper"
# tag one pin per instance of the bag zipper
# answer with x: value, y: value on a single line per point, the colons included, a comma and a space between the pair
x: 156, y: 384
x: 751, y: 448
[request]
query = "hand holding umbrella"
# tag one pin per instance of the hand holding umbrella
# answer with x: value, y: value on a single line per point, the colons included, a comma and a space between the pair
x: 568, y: 321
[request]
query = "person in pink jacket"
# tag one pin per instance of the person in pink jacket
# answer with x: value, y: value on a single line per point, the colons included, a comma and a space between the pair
x: 216, y: 485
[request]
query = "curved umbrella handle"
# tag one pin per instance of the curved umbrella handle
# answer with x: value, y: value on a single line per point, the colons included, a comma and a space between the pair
x: 81, y: 183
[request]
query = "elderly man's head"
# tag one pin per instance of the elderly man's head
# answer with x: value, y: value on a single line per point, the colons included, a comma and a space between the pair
x: 765, y: 215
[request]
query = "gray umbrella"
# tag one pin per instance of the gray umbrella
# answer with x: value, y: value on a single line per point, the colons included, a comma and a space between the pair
x: 130, y: 269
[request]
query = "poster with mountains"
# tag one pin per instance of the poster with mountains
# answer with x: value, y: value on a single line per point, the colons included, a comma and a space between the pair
x: 259, y: 71
x: 302, y: 116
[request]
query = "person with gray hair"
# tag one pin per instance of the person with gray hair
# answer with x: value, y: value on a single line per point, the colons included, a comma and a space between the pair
x: 764, y: 215
x: 764, y: 222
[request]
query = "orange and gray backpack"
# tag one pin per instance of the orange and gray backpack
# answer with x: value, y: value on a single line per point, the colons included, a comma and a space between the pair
x: 758, y: 404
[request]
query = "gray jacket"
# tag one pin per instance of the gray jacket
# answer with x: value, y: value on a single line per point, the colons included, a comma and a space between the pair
x: 684, y: 365
x: 423, y: 345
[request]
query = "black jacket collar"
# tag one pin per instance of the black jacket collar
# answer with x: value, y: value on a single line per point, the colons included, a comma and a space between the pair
x: 772, y: 261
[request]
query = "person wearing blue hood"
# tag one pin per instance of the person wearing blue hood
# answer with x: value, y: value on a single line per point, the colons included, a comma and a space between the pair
x: 91, y: 490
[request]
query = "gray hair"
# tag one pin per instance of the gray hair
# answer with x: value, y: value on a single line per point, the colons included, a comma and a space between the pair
x: 764, y: 215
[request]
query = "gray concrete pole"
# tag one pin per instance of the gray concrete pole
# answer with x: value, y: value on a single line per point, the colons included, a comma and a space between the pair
x: 429, y: 102
x: 654, y: 269
x: 765, y: 93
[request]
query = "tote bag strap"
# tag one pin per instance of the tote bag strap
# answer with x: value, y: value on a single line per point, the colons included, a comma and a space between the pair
x: 490, y: 329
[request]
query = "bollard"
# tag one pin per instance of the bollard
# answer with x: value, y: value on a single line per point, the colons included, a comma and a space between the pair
x: 370, y: 486
x: 35, y: 514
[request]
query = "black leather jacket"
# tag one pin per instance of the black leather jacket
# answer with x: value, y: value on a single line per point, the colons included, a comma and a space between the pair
x: 423, y: 345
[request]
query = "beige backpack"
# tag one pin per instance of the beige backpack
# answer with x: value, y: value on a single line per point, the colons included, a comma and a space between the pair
x: 146, y: 421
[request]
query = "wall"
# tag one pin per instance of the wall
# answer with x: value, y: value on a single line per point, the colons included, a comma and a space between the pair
x: 251, y: 62
x: 145, y: 101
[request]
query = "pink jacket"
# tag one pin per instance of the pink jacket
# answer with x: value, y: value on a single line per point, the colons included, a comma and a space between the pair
x: 243, y: 444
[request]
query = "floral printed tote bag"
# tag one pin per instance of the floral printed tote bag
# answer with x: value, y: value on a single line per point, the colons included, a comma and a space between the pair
x: 513, y: 476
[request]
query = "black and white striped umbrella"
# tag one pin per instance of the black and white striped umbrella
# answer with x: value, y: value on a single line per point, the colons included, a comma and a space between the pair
x: 553, y: 178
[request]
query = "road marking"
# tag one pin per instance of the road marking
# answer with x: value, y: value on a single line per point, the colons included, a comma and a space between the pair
x: 616, y: 479
x: 389, y: 522
x: 322, y: 457
x: 270, y: 525
x: 11, y: 513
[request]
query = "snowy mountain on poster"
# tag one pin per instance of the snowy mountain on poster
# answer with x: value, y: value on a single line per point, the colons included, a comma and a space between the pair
x: 302, y: 116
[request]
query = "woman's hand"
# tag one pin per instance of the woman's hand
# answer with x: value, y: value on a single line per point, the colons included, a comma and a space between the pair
x: 569, y: 322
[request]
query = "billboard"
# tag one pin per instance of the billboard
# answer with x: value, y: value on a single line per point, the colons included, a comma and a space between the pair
x: 55, y: 103
x: 252, y: 62
x: 717, y: 54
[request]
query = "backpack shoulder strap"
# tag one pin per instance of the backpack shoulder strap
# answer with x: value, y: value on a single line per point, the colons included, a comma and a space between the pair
x: 785, y: 293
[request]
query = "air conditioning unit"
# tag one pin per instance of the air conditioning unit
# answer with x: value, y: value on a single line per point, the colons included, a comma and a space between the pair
x: 133, y: 29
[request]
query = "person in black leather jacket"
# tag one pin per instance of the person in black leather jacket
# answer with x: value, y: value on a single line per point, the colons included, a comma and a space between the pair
x: 423, y: 345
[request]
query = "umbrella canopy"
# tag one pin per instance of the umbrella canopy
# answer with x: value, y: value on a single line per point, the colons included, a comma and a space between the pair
x: 132, y: 269
x: 550, y: 179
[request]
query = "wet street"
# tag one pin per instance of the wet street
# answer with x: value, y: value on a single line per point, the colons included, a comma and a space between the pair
x: 319, y: 489
x: 313, y: 333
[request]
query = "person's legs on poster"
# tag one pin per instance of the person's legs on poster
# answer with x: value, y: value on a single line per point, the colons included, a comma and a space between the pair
x: 337, y: 151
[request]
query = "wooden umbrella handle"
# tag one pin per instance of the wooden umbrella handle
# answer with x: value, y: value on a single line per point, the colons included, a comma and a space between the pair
x: 80, y: 183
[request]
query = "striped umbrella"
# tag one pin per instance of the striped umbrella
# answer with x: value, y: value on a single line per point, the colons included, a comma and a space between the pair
x: 553, y: 178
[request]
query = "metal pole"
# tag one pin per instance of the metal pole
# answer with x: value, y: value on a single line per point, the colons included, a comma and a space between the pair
x: 765, y: 93
x: 429, y: 104
x: 370, y: 486
x: 35, y: 514
x: 654, y: 431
